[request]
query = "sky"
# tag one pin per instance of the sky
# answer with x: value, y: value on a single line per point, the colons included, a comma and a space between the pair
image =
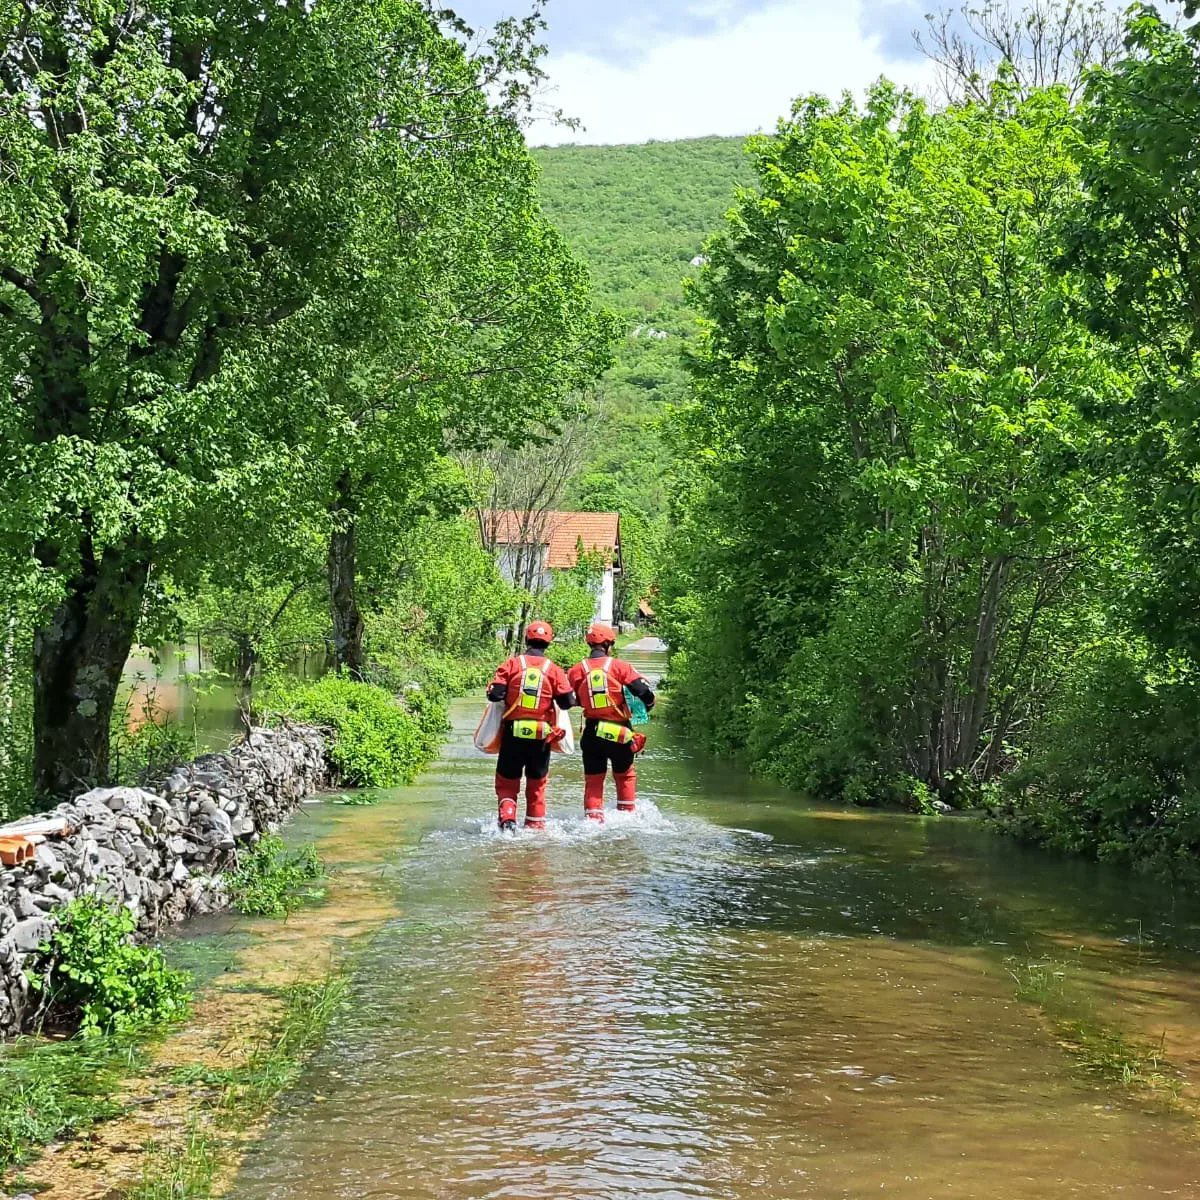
x: 636, y: 70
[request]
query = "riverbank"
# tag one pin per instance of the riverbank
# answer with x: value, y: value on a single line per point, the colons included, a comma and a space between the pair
x: 160, y: 853
x: 175, y: 1100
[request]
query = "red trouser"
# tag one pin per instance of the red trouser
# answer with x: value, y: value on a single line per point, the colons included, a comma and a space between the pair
x: 522, y: 756
x: 597, y: 755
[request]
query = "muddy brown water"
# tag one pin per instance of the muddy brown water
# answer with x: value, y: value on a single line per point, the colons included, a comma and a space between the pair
x: 733, y: 993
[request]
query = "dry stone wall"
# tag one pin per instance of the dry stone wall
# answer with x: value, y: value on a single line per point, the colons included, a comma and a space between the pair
x: 161, y: 852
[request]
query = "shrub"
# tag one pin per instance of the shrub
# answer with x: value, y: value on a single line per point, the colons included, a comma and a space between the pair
x: 92, y: 975
x: 148, y: 747
x: 378, y: 740
x: 271, y: 881
x: 1115, y: 775
x: 398, y: 668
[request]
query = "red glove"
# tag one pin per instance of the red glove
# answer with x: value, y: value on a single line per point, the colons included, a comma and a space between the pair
x: 638, y: 743
x: 558, y: 733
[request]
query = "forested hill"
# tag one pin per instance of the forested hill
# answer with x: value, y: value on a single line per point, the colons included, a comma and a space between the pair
x: 639, y: 215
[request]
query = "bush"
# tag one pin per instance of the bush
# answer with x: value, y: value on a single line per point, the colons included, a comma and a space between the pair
x: 271, y: 881
x: 398, y: 668
x: 151, y: 750
x: 1115, y: 775
x: 378, y: 740
x: 93, y: 976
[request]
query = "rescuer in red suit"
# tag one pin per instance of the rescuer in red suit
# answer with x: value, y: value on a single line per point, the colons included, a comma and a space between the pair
x: 599, y: 684
x: 530, y: 685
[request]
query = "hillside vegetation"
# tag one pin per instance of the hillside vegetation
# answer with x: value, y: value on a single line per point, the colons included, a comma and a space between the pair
x: 638, y: 215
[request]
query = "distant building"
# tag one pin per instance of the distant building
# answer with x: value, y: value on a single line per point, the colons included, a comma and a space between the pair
x: 531, y: 546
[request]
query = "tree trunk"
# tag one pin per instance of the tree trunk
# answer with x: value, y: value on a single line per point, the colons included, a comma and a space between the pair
x: 8, y: 683
x: 341, y: 567
x: 78, y: 656
x: 247, y: 660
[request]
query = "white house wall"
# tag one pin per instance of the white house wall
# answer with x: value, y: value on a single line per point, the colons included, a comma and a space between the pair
x: 605, y: 596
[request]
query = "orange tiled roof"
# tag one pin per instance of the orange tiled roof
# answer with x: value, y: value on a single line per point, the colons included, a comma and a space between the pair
x: 561, y: 531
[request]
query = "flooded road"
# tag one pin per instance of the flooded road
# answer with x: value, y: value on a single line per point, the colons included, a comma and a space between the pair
x: 734, y: 993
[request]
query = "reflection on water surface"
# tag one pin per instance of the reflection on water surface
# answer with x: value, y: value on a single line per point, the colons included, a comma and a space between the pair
x: 733, y: 994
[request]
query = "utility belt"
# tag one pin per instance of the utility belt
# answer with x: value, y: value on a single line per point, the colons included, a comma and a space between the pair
x: 616, y: 732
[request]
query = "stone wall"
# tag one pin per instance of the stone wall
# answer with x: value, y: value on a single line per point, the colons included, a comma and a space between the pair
x: 159, y: 852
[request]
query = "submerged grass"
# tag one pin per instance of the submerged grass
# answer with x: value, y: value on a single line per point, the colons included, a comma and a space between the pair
x: 1098, y: 1049
x: 50, y: 1091
x: 188, y: 1168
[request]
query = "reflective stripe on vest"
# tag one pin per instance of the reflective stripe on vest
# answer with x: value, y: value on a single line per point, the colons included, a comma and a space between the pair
x: 598, y: 684
x: 529, y: 698
x: 531, y: 686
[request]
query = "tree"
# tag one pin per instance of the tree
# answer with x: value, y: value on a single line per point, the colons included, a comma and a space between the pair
x: 186, y: 191
x: 886, y: 539
x: 1038, y: 44
x: 517, y: 491
x: 1135, y: 244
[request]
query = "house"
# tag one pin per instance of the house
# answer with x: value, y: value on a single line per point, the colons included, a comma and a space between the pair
x: 531, y: 546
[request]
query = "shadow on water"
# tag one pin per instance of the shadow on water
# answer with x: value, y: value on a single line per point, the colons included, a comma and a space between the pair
x: 733, y: 992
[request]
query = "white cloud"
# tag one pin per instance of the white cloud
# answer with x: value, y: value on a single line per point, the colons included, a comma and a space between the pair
x: 737, y: 81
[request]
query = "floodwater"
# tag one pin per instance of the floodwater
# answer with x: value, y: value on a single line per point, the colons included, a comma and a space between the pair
x: 732, y: 994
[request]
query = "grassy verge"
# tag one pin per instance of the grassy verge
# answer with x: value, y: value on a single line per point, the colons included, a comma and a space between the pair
x: 50, y: 1091
x: 1102, y: 1052
x: 189, y: 1167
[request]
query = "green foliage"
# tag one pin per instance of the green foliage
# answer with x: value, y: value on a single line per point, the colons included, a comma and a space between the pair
x: 244, y: 1094
x: 17, y: 796
x: 379, y: 741
x: 1114, y: 775
x: 260, y: 622
x: 52, y: 1091
x: 639, y: 215
x: 273, y: 881
x: 356, y: 799
x: 889, y: 539
x: 93, y: 976
x: 147, y: 744
x: 435, y: 627
x: 570, y: 601
x: 245, y: 305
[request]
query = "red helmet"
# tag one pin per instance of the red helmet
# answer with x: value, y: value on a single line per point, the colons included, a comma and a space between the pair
x: 601, y: 634
x: 539, y: 631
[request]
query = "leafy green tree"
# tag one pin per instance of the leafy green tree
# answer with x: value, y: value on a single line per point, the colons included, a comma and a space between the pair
x: 193, y: 197
x: 1136, y: 245
x: 1114, y: 772
x: 890, y: 528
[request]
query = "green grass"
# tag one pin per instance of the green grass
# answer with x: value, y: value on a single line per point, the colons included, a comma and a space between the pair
x: 52, y: 1091
x: 272, y: 881
x: 186, y: 1170
x: 1098, y: 1049
x: 356, y: 799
